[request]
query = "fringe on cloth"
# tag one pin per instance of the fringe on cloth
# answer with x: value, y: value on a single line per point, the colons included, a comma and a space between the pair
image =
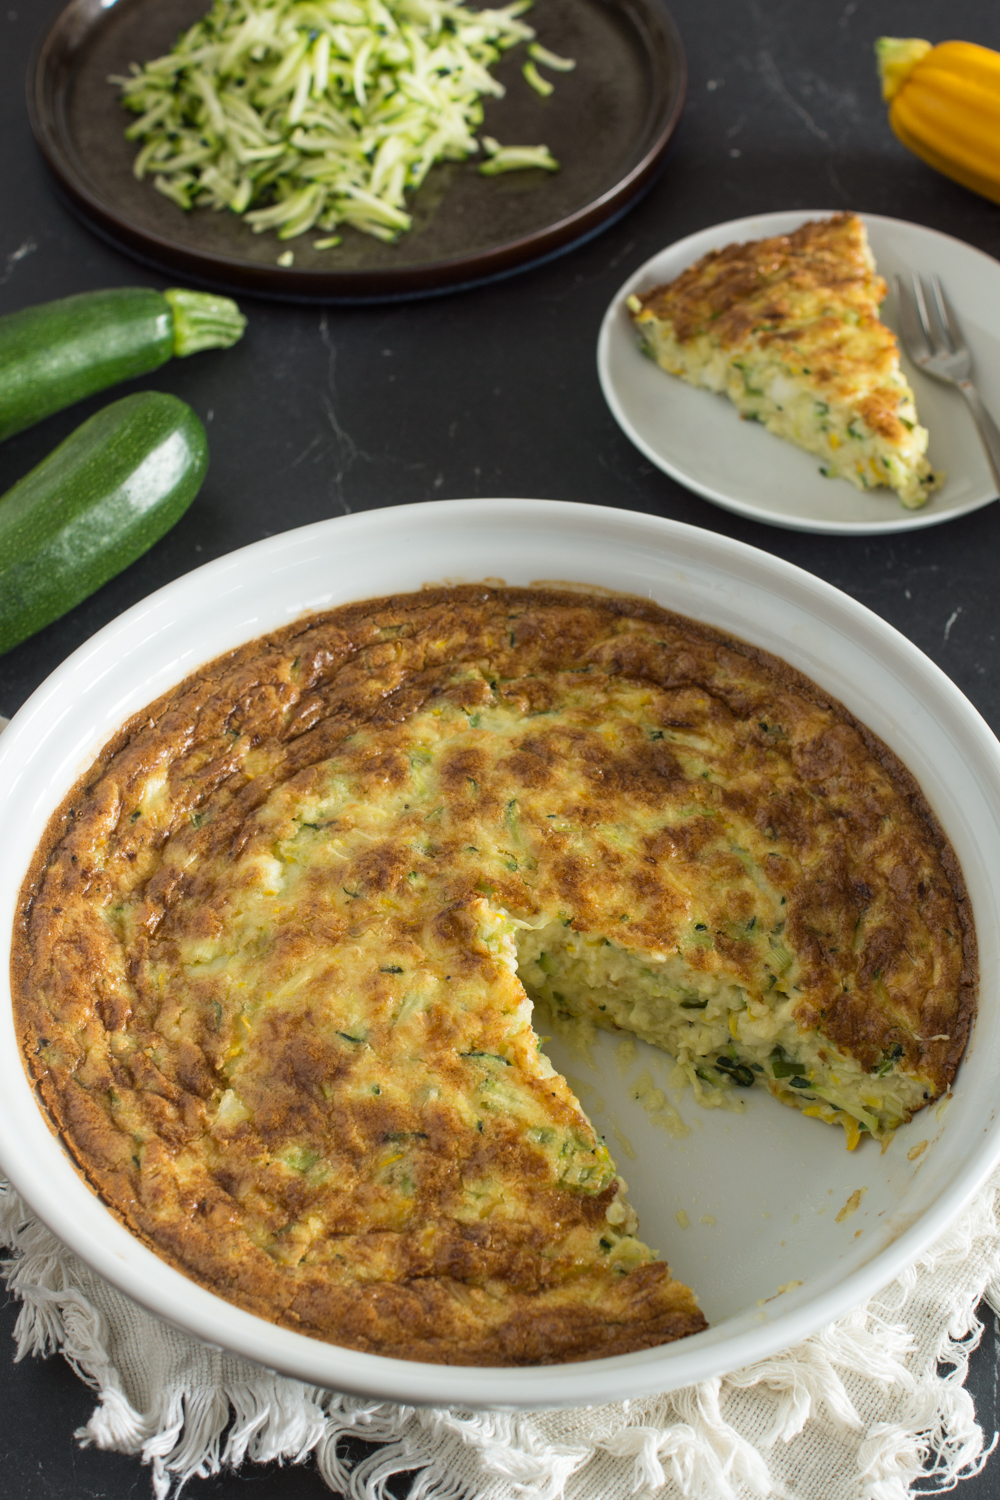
x: 861, y: 1411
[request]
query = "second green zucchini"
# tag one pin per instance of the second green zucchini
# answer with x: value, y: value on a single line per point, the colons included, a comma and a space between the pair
x: 100, y: 500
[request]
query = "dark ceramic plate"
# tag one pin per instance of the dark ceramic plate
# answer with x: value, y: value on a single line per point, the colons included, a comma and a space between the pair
x: 608, y: 124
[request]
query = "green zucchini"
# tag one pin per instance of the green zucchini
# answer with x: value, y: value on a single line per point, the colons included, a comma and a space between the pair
x: 60, y: 352
x: 100, y: 500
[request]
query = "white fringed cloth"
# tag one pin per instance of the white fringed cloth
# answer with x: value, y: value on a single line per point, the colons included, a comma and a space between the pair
x: 861, y: 1411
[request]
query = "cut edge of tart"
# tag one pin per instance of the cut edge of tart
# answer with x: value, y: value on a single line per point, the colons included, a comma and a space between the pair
x: 788, y: 328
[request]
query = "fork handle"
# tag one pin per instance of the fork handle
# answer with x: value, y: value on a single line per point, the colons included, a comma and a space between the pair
x: 988, y: 430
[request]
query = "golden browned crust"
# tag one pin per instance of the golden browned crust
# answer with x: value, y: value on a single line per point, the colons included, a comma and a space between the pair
x: 728, y: 292
x: 317, y: 1154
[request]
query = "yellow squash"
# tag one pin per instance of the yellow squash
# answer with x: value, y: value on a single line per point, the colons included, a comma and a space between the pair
x: 945, y: 106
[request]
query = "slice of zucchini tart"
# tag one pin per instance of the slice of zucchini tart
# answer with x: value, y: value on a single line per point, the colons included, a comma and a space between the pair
x: 789, y: 329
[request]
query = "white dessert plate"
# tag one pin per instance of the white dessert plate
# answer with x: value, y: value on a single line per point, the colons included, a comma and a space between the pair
x: 778, y: 1227
x: 698, y: 438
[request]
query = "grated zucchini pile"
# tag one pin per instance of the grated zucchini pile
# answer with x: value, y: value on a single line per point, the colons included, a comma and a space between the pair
x: 310, y: 114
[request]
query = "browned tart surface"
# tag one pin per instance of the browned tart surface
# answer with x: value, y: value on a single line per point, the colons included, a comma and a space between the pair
x: 265, y: 982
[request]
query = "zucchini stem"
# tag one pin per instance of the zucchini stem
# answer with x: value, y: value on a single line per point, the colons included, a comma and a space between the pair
x: 203, y: 321
x: 896, y: 57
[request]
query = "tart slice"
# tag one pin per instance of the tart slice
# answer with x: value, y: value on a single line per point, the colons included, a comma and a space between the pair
x: 788, y: 329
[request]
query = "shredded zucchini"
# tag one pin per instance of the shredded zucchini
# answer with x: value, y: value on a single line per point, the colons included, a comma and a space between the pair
x: 309, y: 114
x: 515, y: 158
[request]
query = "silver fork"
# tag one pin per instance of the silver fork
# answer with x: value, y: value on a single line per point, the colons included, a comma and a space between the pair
x: 934, y: 342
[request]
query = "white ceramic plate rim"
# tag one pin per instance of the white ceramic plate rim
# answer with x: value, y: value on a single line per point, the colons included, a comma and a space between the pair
x: 685, y: 252
x: 35, y: 1162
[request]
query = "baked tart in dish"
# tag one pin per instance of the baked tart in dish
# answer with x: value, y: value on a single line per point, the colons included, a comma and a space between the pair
x: 277, y: 954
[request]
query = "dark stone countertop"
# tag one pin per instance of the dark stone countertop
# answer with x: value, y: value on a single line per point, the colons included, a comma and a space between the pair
x: 493, y: 391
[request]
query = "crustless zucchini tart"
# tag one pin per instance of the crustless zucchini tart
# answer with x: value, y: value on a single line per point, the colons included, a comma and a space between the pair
x: 277, y: 954
x: 788, y: 328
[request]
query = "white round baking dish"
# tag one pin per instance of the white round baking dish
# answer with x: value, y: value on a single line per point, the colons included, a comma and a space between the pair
x: 776, y: 1226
